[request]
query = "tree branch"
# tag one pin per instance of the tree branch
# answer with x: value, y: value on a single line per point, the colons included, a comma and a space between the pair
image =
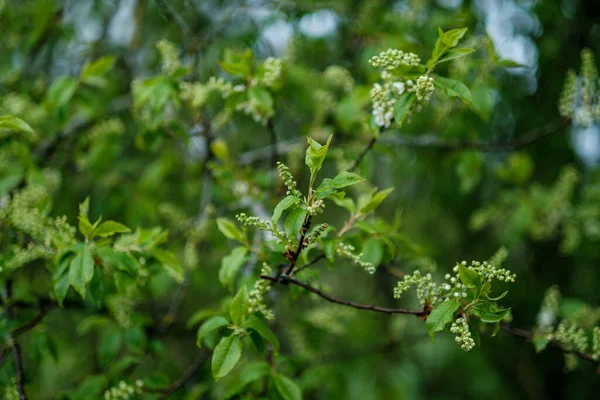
x: 306, y: 286
x: 293, y: 257
x: 433, y: 141
x: 314, y: 261
x: 363, y: 153
x: 188, y: 374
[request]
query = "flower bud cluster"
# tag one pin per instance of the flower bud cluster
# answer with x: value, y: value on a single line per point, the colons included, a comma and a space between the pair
x: 460, y: 328
x: 324, y: 100
x: 426, y: 288
x: 256, y: 302
x: 499, y: 257
x: 124, y: 391
x: 393, y: 58
x: 288, y: 180
x: 256, y: 222
x: 488, y: 272
x: 169, y: 56
x: 424, y: 88
x: 550, y: 307
x: 566, y: 101
x: 569, y: 336
x: 273, y: 71
x: 347, y: 251
x: 596, y: 343
x: 339, y: 77
x: 317, y: 207
x: 580, y: 97
x: 383, y: 105
x: 255, y: 109
x: 315, y: 234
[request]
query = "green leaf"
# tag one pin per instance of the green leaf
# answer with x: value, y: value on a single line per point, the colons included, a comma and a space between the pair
x: 454, y: 88
x: 226, y: 356
x: 487, y: 312
x: 315, y: 155
x: 510, y: 64
x: 17, y: 125
x: 238, y: 309
x: 85, y: 227
x: 483, y: 101
x: 81, y: 270
x: 258, y: 325
x: 94, y: 73
x: 294, y: 222
x: 210, y: 325
x: 237, y: 63
x: 251, y: 373
x: 169, y: 262
x: 373, y: 251
x: 61, y: 91
x: 440, y: 316
x: 84, y: 208
x: 109, y: 228
x: 375, y: 201
x: 109, y: 344
x: 403, y: 106
x: 230, y: 265
x: 61, y: 281
x: 539, y: 343
x: 497, y: 298
x: 445, y: 42
x: 287, y: 388
x: 283, y: 205
x: 345, y: 179
x: 469, y: 278
x: 230, y: 230
x: 455, y: 53
x: 261, y: 96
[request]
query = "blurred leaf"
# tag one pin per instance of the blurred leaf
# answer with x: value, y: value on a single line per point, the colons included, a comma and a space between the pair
x: 454, y: 88
x: 230, y: 265
x: 226, y: 356
x: 287, y: 388
x: 440, y: 316
x: 210, y: 325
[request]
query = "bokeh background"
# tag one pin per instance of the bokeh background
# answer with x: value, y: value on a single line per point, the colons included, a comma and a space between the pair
x: 148, y: 169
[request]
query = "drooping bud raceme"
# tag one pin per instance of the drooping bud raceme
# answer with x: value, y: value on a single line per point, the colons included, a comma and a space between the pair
x: 383, y: 105
x: 256, y: 302
x: 124, y: 391
x: 393, y: 58
x: 460, y: 328
x: 566, y: 102
x: 347, y: 251
x: 169, y: 56
x: 424, y: 88
x: 569, y: 336
x: 315, y: 234
x: 596, y: 343
x: 273, y: 71
x: 339, y: 77
x: 316, y: 208
x: 489, y: 272
x: 580, y: 97
x: 288, y: 180
x: 550, y: 307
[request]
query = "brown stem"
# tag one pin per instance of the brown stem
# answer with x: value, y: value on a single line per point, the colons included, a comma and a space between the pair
x: 314, y: 261
x: 363, y: 154
x: 189, y: 374
x: 294, y: 256
x: 419, y: 313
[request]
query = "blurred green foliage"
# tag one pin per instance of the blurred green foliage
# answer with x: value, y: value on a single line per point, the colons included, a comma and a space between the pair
x: 133, y: 132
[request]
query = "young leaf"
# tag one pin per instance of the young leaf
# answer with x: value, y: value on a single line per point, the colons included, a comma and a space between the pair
x: 403, y: 106
x: 454, y: 88
x: 509, y: 64
x: 294, y: 222
x: 344, y: 179
x: 283, y: 205
x: 61, y: 91
x: 210, y: 325
x: 287, y: 388
x: 258, y: 325
x: 375, y: 201
x: 81, y: 270
x: 226, y: 356
x: 445, y: 42
x: 455, y: 53
x: 230, y: 231
x: 469, y: 278
x: 251, y: 373
x: 486, y: 312
x: 440, y: 316
x: 84, y: 208
x: 109, y: 228
x: 85, y: 227
x: 169, y: 262
x: 238, y: 309
x: 230, y: 265
x: 94, y: 73
x: 315, y: 155
x: 14, y: 124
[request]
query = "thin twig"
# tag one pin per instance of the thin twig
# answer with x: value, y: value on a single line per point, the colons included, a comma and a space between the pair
x: 314, y: 261
x: 273, y: 137
x: 293, y: 257
x: 26, y: 327
x: 189, y: 374
x: 370, y: 307
x: 253, y: 156
x: 363, y: 154
x: 13, y: 344
x: 433, y: 141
